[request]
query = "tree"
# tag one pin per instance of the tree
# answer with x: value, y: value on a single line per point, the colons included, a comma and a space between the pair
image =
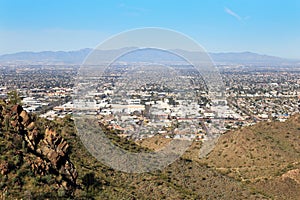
x: 14, y: 97
x: 88, y: 180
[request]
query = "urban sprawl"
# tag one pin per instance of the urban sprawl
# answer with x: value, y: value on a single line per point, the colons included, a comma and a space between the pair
x: 169, y: 101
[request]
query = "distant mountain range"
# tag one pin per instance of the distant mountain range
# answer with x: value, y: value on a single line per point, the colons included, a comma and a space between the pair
x: 77, y: 57
x: 72, y: 57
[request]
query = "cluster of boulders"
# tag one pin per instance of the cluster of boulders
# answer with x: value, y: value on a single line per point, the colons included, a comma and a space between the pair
x: 49, y: 149
x: 53, y: 146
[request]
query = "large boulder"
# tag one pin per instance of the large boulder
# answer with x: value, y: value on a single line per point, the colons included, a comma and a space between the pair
x: 25, y: 118
x: 17, y: 109
x: 32, y: 138
x: 4, y: 168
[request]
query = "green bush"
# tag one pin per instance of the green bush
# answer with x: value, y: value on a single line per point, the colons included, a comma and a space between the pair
x: 61, y: 192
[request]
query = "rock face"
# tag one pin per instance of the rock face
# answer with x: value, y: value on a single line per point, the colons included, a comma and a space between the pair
x: 39, y: 166
x: 293, y: 174
x: 49, y: 150
x: 53, y: 146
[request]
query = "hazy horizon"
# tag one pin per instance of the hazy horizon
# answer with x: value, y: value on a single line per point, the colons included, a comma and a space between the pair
x: 90, y: 48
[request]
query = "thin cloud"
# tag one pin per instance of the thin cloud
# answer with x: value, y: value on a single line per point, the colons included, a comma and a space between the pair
x: 230, y: 12
x: 132, y: 11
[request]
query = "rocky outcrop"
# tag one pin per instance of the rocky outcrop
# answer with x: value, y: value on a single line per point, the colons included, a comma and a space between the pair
x: 39, y: 166
x: 293, y: 174
x: 53, y: 147
x: 48, y: 149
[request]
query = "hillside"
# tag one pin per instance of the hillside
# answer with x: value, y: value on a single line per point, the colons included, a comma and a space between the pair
x: 265, y: 156
x: 56, y: 165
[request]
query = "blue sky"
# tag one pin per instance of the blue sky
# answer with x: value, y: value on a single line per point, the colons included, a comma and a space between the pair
x: 263, y: 26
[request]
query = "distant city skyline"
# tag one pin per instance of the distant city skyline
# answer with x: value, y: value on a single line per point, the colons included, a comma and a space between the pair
x: 265, y: 27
